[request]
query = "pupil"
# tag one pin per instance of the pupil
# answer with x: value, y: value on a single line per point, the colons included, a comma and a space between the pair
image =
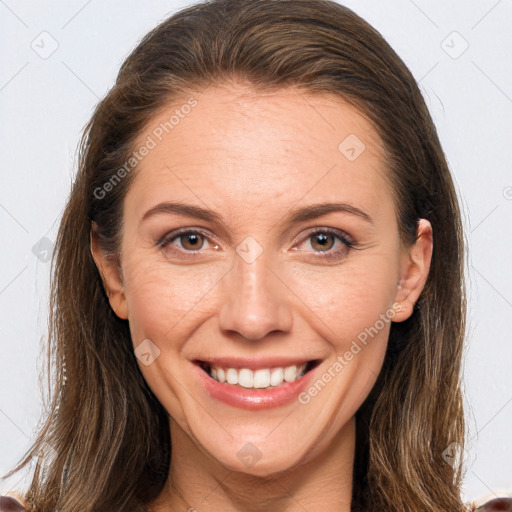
x: 192, y: 239
x: 322, y: 239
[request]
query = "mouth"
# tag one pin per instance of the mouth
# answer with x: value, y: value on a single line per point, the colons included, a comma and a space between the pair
x: 257, y: 378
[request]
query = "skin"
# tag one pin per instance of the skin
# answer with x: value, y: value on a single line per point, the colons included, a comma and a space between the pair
x: 252, y: 157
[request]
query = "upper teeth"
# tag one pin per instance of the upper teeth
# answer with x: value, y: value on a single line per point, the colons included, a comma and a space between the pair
x: 261, y: 378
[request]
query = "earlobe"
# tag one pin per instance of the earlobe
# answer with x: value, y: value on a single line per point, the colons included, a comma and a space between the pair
x: 109, y: 269
x: 414, y: 270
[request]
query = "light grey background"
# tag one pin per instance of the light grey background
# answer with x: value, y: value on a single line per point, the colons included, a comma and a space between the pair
x: 45, y: 101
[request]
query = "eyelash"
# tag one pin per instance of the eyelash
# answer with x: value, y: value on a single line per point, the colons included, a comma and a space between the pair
x: 348, y: 244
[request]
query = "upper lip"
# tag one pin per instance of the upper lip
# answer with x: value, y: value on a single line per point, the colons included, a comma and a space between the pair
x: 254, y: 363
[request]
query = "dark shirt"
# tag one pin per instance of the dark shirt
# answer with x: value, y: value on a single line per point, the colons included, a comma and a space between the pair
x: 503, y: 504
x: 9, y: 504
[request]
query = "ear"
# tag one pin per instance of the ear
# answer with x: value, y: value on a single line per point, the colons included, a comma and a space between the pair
x: 111, y: 276
x: 414, y: 269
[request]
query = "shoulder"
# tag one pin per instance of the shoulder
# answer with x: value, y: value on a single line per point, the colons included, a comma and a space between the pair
x: 495, y: 505
x: 10, y: 504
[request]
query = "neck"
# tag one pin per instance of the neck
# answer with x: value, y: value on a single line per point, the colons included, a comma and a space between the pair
x: 198, y: 482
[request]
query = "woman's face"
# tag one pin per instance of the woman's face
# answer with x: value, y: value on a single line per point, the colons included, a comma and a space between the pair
x: 229, y: 259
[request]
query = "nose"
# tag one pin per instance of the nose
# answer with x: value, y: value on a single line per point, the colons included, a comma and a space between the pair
x: 255, y: 300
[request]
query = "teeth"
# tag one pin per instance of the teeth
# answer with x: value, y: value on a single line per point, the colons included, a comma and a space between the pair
x: 290, y: 373
x: 245, y: 378
x: 276, y: 377
x: 231, y: 376
x: 261, y: 378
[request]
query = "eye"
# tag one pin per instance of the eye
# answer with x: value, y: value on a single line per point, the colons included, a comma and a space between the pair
x: 323, y: 243
x: 185, y: 241
x: 189, y: 242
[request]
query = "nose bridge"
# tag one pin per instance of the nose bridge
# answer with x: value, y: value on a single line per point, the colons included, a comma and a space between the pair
x: 254, y: 299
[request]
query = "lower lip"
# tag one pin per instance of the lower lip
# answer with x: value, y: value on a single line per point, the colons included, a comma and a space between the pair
x: 251, y: 398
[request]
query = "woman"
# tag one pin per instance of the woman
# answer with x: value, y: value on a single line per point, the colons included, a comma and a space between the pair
x: 257, y: 300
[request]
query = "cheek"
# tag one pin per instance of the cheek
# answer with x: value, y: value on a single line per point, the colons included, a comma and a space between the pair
x: 350, y: 308
x: 162, y: 299
x: 347, y: 300
x: 166, y: 304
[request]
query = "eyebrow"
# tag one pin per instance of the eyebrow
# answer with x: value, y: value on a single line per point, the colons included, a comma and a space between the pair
x: 296, y: 216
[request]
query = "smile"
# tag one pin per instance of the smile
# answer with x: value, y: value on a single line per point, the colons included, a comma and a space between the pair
x: 261, y: 378
x: 257, y: 387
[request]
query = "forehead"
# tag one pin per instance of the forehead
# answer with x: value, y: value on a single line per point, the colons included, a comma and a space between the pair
x: 237, y: 148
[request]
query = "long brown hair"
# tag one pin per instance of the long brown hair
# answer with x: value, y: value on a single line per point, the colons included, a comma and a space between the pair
x: 109, y: 435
